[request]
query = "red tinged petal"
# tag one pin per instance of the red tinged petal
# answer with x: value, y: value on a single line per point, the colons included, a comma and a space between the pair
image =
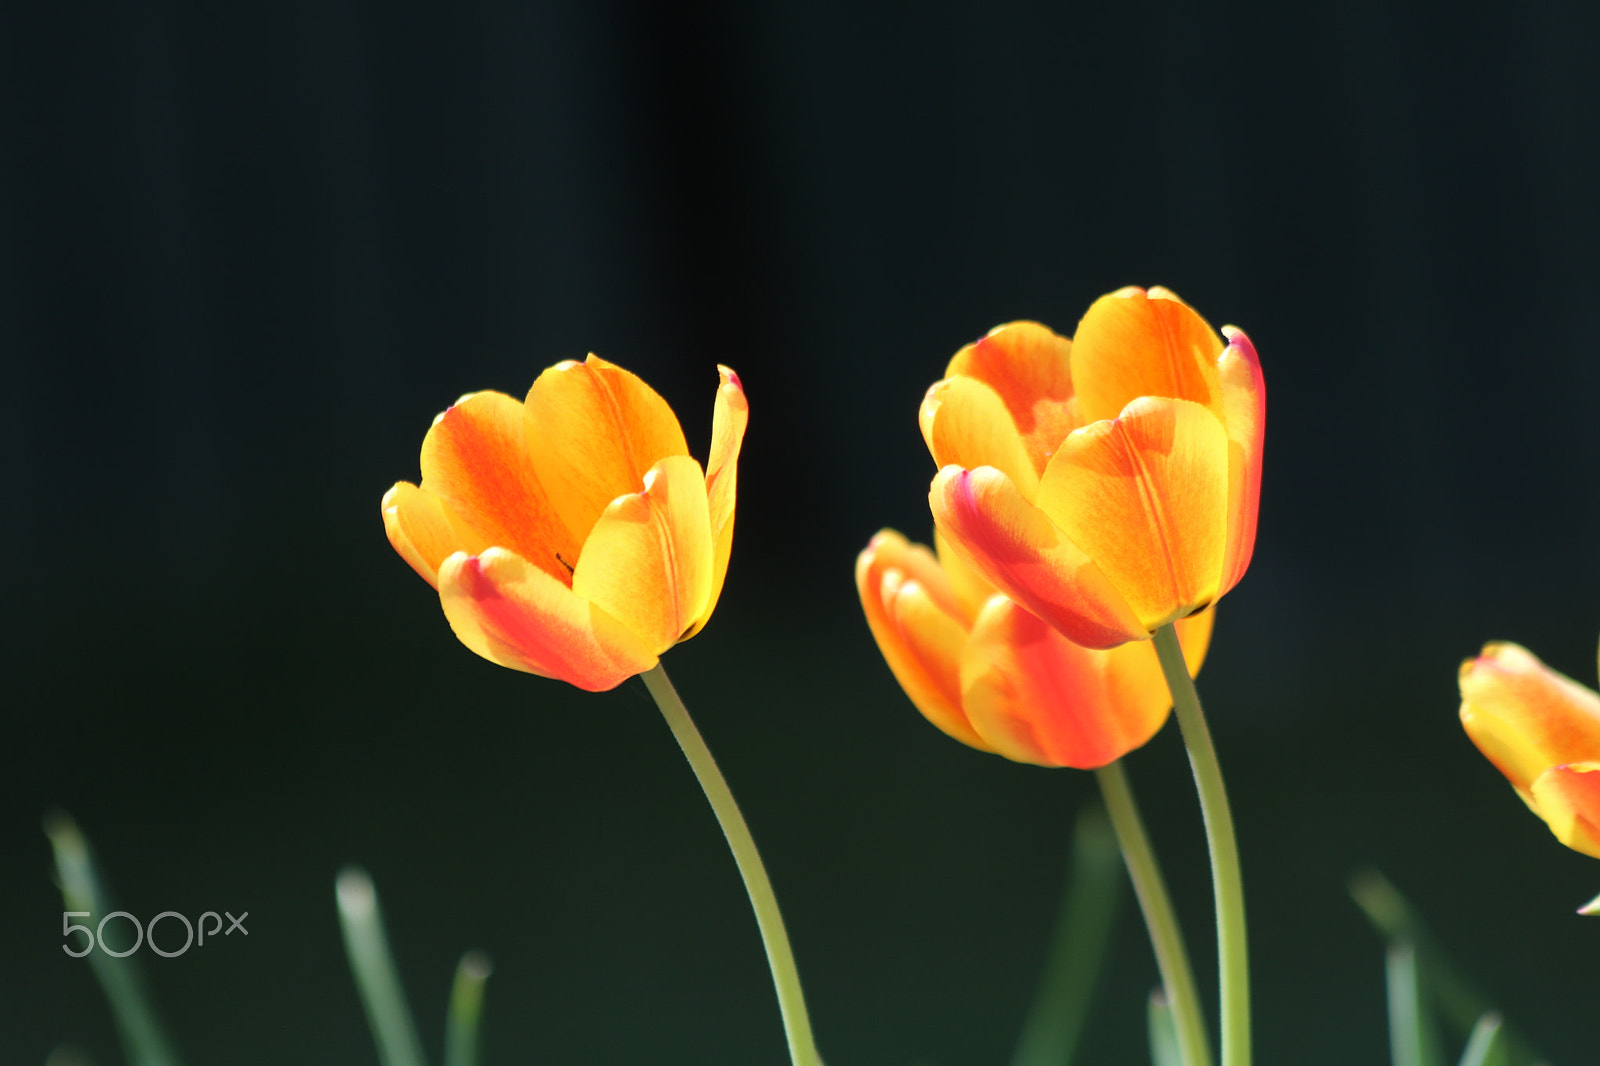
x: 592, y: 432
x: 1244, y: 415
x: 1133, y: 343
x: 648, y: 559
x: 473, y: 460
x: 1568, y: 799
x: 903, y: 593
x: 1145, y: 496
x: 1015, y: 548
x: 1030, y: 368
x: 965, y: 423
x: 513, y: 613
x: 728, y: 423
x: 425, y: 530
x: 1524, y: 716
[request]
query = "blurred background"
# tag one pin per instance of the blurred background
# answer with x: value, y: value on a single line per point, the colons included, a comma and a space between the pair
x: 248, y: 251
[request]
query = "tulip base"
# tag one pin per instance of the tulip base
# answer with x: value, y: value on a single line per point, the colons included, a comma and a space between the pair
x: 1227, y: 882
x: 780, y: 957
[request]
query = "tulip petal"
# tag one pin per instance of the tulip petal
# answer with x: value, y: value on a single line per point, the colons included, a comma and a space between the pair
x: 1030, y: 368
x: 474, y: 460
x: 1524, y: 716
x: 1039, y: 698
x: 1132, y: 343
x: 513, y: 613
x: 919, y: 640
x: 965, y: 423
x: 1244, y: 415
x: 425, y: 530
x: 593, y: 430
x: 891, y: 550
x: 1145, y: 495
x: 722, y: 477
x: 969, y: 589
x: 1568, y: 799
x: 648, y: 559
x: 1016, y: 549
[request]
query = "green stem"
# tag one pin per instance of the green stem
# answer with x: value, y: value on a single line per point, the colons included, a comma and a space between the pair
x: 1177, y: 977
x: 1233, y: 959
x: 785, y: 978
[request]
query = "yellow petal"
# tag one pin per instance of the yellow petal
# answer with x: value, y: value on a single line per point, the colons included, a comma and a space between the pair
x: 1568, y: 799
x: 1524, y: 716
x: 515, y: 614
x: 593, y: 430
x: 1133, y: 343
x: 1016, y: 549
x: 969, y: 588
x: 1244, y: 415
x: 965, y: 423
x: 425, y: 530
x: 1030, y: 368
x: 919, y: 639
x: 722, y: 476
x: 648, y: 559
x: 474, y: 460
x: 1145, y: 496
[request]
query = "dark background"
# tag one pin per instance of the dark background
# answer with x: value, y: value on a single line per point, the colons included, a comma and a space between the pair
x: 247, y: 251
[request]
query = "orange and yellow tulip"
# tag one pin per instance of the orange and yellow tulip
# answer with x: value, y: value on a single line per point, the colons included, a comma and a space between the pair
x: 1107, y: 483
x: 1541, y: 730
x: 572, y: 536
x: 996, y: 677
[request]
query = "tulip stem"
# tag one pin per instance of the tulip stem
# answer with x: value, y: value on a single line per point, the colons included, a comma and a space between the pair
x: 1172, y: 959
x: 785, y: 978
x: 1233, y: 959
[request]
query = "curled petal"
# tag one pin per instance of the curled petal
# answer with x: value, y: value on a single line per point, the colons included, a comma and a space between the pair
x: 1244, y: 415
x: 919, y: 640
x: 1016, y: 549
x: 1029, y: 367
x: 593, y: 430
x: 1524, y: 716
x: 473, y: 459
x: 425, y: 530
x: 648, y: 559
x: 965, y: 423
x: 513, y: 613
x: 1568, y: 799
x: 1145, y: 496
x: 722, y: 477
x: 968, y: 587
x: 1134, y: 343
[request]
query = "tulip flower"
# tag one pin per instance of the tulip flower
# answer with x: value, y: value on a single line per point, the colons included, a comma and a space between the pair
x: 1107, y: 483
x: 996, y: 677
x: 1542, y: 731
x: 572, y: 535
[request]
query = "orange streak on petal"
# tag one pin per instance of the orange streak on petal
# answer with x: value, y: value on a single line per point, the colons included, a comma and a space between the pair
x: 1145, y: 496
x: 919, y: 640
x: 425, y: 531
x: 1015, y: 548
x: 1568, y: 799
x: 474, y: 460
x: 1524, y: 716
x: 1244, y: 414
x: 648, y: 559
x: 1030, y: 368
x: 728, y: 423
x: 1132, y: 343
x: 593, y: 430
x: 965, y: 423
x: 513, y: 613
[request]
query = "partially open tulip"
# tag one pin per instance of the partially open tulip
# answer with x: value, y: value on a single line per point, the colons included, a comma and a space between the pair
x: 996, y: 677
x: 572, y: 535
x: 1542, y: 731
x: 1109, y: 482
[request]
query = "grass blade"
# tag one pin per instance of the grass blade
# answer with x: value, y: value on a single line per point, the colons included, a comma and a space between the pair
x: 1163, y: 1032
x: 466, y: 1008
x: 121, y: 979
x: 1060, y: 1008
x: 372, y: 963
x: 1487, y: 1046
x: 1411, y: 1041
